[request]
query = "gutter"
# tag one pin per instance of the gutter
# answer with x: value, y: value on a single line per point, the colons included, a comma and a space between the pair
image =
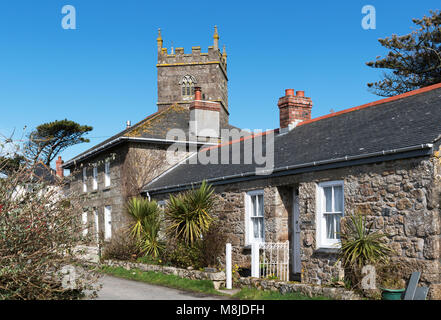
x: 119, y: 140
x: 392, y: 154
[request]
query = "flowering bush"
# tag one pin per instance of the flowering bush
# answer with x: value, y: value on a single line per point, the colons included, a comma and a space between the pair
x: 39, y: 227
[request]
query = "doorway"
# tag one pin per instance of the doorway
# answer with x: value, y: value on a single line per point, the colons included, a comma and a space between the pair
x: 296, y: 260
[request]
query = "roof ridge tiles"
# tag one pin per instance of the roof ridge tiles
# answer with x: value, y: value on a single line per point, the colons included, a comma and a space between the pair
x: 374, y: 103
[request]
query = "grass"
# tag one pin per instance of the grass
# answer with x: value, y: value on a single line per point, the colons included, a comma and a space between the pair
x: 201, y: 286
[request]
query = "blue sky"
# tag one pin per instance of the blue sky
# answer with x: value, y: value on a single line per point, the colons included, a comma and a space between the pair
x: 103, y: 73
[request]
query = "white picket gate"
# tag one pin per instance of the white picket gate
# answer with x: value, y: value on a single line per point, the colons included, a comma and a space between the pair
x: 270, y: 260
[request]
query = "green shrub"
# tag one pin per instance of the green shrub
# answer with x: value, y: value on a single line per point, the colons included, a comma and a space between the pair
x: 188, y: 214
x: 183, y: 255
x: 360, y: 246
x: 121, y: 247
x: 146, y: 227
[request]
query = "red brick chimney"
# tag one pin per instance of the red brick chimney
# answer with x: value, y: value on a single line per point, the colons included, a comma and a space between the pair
x: 58, y: 164
x: 293, y: 109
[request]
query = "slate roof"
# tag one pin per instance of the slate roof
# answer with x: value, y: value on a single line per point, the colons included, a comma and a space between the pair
x: 410, y: 120
x: 155, y: 126
x: 41, y: 173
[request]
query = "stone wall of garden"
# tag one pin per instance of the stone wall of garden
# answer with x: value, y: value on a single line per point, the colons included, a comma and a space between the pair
x: 219, y: 279
x: 305, y: 289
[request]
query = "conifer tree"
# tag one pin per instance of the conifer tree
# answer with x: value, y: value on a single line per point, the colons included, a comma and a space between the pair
x: 414, y: 60
x: 49, y: 139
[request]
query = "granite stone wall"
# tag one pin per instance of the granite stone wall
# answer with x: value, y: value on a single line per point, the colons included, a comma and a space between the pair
x: 131, y: 166
x: 102, y: 196
x: 400, y: 198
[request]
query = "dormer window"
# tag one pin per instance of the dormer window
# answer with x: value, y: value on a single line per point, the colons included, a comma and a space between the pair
x: 187, y: 85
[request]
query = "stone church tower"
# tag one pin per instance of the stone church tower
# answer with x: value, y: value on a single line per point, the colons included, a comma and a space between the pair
x: 179, y: 73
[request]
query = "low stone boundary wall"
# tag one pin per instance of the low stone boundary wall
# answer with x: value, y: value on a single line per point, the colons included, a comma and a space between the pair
x: 305, y: 289
x: 218, y: 278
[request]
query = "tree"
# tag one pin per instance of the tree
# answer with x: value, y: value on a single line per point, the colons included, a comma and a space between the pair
x: 9, y: 165
x: 414, y: 59
x: 49, y: 139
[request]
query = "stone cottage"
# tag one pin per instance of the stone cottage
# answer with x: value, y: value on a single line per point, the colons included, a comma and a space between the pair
x: 292, y: 183
x: 381, y: 159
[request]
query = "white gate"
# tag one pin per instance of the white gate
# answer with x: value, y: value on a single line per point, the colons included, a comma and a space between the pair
x: 271, y: 260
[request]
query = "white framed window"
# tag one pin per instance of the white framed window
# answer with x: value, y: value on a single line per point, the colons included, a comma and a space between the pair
x: 254, y: 217
x: 95, y: 177
x: 107, y: 173
x: 84, y: 179
x: 107, y: 222
x: 330, y: 209
x: 84, y: 220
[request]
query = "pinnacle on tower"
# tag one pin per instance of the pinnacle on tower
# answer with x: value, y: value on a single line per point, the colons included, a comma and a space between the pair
x: 216, y: 39
x: 224, y: 54
x: 159, y: 40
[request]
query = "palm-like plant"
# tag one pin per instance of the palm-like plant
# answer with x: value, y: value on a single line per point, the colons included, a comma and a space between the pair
x: 146, y: 226
x: 139, y: 208
x: 188, y: 213
x: 149, y: 242
x: 360, y: 245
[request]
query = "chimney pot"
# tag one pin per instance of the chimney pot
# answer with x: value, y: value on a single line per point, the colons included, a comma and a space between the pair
x: 197, y: 93
x: 59, y: 170
x: 293, y: 109
x: 128, y: 124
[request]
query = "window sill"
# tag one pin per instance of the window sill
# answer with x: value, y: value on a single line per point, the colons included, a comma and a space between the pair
x: 327, y: 249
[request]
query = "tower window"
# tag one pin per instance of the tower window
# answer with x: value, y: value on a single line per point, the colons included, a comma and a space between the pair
x: 187, y: 84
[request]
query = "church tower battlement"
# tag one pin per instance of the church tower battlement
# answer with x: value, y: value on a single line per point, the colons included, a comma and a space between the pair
x: 179, y: 73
